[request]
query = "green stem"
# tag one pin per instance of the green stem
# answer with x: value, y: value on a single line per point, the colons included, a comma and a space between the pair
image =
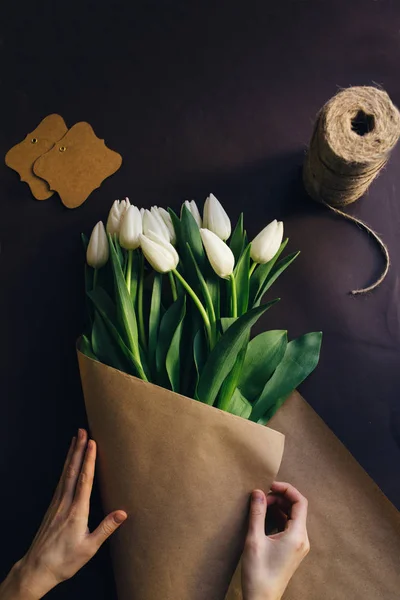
x: 128, y: 276
x: 142, y: 332
x: 234, y: 295
x: 173, y: 286
x: 211, y: 312
x: 253, y: 266
x: 96, y: 272
x: 198, y: 304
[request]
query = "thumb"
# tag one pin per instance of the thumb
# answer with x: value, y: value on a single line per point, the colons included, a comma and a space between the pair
x: 258, y: 512
x: 107, y: 527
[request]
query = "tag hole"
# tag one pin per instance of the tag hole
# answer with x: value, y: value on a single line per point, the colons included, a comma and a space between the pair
x: 62, y: 148
x: 34, y: 140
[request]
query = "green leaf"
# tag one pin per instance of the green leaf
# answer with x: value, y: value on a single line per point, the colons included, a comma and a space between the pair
x: 278, y: 269
x: 213, y: 285
x: 169, y: 323
x: 237, y: 240
x: 172, y: 361
x: 264, y: 353
x: 231, y: 381
x: 300, y: 359
x: 85, y: 347
x: 241, y: 274
x: 135, y: 275
x: 103, y: 304
x: 190, y: 234
x: 239, y: 405
x: 200, y: 351
x: 275, y: 273
x: 103, y: 344
x: 226, y: 322
x: 119, y: 251
x: 270, y: 413
x: 223, y: 356
x: 205, y: 292
x: 154, y: 318
x: 262, y: 272
x: 125, y: 310
x: 105, y: 307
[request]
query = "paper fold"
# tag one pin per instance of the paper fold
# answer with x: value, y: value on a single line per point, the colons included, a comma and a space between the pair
x: 184, y: 472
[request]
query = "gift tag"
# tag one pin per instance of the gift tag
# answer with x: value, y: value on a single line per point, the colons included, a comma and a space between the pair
x: 77, y: 165
x: 22, y: 156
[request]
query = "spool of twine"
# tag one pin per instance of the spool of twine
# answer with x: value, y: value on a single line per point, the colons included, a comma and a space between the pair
x: 353, y: 137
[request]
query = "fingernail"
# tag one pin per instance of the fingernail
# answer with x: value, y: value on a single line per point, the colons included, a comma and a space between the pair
x: 120, y: 517
x: 80, y: 434
x: 257, y: 496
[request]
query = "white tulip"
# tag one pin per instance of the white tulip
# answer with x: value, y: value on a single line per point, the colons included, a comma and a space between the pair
x: 192, y: 207
x: 160, y: 254
x: 131, y: 228
x: 266, y: 244
x: 219, y: 254
x: 152, y: 221
x: 117, y: 211
x: 215, y: 218
x: 97, y: 252
x: 166, y: 217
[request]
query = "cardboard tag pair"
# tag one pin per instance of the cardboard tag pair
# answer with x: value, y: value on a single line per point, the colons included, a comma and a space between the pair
x: 72, y: 162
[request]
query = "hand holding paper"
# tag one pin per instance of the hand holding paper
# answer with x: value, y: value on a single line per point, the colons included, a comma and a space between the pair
x: 269, y: 562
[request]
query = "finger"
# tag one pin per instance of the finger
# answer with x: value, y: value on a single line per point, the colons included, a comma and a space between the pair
x: 74, y: 467
x: 85, y: 480
x: 258, y: 511
x: 58, y: 490
x: 299, y: 504
x: 107, y: 527
x: 57, y: 493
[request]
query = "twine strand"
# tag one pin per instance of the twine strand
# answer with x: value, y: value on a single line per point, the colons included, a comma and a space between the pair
x: 381, y: 243
x: 353, y: 137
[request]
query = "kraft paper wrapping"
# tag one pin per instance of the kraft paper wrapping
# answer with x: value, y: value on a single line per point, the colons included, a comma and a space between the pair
x: 183, y: 471
x: 354, y: 530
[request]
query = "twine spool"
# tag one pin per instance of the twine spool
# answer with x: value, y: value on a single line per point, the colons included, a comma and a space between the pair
x: 353, y: 137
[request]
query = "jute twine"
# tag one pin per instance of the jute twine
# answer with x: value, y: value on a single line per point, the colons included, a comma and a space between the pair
x: 353, y: 137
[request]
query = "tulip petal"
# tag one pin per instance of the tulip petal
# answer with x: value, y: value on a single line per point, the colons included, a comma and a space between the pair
x: 215, y: 218
x: 219, y: 254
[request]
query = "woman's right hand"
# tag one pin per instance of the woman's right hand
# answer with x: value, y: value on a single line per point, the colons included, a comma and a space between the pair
x: 269, y: 562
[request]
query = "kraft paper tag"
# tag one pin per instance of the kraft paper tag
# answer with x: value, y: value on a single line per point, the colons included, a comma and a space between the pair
x: 22, y: 156
x: 77, y: 165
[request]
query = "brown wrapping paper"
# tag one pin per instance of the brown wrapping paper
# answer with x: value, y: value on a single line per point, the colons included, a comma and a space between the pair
x: 184, y: 472
x: 354, y: 530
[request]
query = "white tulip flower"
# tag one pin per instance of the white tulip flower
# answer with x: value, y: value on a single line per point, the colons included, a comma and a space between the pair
x: 153, y: 221
x: 192, y: 207
x: 98, y: 251
x: 117, y: 211
x: 131, y: 228
x: 215, y: 218
x: 219, y: 254
x: 160, y: 254
x: 166, y: 217
x: 266, y: 244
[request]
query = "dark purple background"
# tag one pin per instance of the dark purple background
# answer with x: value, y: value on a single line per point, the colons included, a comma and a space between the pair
x: 197, y: 97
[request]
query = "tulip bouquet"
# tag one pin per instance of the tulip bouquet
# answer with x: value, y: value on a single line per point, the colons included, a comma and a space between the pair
x: 171, y: 302
x: 190, y: 331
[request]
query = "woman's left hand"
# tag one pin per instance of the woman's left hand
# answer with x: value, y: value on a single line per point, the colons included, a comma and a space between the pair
x: 63, y: 543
